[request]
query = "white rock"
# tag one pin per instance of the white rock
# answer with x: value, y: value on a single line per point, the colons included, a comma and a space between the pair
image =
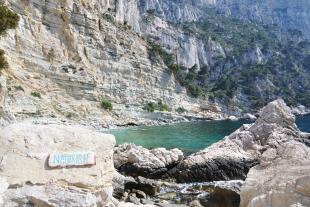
x: 233, y: 118
x: 284, y: 182
x: 144, y: 162
x: 24, y: 152
x: 249, y: 116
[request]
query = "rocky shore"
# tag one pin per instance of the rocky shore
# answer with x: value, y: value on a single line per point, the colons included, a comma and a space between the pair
x: 257, y: 153
x: 262, y: 164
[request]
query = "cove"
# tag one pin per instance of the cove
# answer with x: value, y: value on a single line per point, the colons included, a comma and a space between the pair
x: 189, y: 137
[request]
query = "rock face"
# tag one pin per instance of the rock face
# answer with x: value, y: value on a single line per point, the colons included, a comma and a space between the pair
x: 137, y: 161
x: 286, y: 14
x: 236, y: 154
x: 289, y: 15
x: 282, y: 178
x: 78, y: 53
x: 5, y: 115
x: 24, y: 152
x: 74, y: 53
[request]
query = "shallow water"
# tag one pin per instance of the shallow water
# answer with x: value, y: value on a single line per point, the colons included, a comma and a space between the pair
x: 189, y: 137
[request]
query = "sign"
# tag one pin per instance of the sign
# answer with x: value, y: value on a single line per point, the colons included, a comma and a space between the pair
x: 75, y: 159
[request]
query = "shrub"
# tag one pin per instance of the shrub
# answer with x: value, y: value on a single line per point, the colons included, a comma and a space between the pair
x: 8, y: 20
x: 109, y: 18
x: 195, y: 90
x: 106, y: 104
x: 19, y: 88
x: 36, y: 94
x: 3, y: 62
x: 150, y: 107
x: 160, y: 106
x: 168, y: 58
x: 181, y: 110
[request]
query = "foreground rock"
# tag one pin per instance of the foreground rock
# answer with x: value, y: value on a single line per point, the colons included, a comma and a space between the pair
x: 27, y: 179
x: 282, y: 178
x: 236, y: 154
x: 136, y: 161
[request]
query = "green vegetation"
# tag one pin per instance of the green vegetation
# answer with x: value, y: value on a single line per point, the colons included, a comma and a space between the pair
x: 19, y: 88
x: 283, y: 71
x: 36, y: 94
x: 3, y: 62
x: 150, y: 107
x: 185, y: 76
x: 236, y: 35
x: 225, y: 87
x: 106, y: 104
x: 8, y: 20
x: 181, y: 110
x: 168, y: 58
x: 160, y: 106
x: 109, y: 18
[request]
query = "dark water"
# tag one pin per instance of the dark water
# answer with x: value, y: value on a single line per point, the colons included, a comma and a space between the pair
x: 189, y: 137
x: 303, y: 123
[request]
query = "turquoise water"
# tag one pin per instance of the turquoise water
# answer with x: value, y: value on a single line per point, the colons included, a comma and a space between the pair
x: 189, y: 137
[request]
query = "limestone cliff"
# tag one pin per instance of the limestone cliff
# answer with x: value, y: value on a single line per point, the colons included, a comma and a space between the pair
x: 73, y: 53
x: 288, y: 15
x: 231, y: 41
x: 66, y: 56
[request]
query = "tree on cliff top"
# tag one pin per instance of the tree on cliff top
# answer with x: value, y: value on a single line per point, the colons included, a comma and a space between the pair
x: 8, y: 20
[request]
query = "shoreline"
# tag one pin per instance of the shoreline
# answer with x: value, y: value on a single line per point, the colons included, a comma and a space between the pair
x: 102, y: 126
x: 138, y: 175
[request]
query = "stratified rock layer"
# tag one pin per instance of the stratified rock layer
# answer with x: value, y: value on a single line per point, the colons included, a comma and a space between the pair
x: 24, y: 152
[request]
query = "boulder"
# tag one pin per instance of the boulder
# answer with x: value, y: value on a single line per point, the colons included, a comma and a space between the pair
x: 53, y: 195
x: 24, y: 158
x: 282, y: 178
x: 137, y: 161
x: 121, y: 183
x: 220, y: 197
x: 148, y: 186
x: 249, y: 116
x: 232, y: 118
x: 232, y: 157
x: 134, y: 199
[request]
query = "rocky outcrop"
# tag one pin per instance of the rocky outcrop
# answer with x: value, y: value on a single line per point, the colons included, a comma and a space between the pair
x: 300, y: 110
x: 236, y: 154
x: 282, y: 178
x: 137, y: 161
x: 29, y: 180
x: 288, y: 15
